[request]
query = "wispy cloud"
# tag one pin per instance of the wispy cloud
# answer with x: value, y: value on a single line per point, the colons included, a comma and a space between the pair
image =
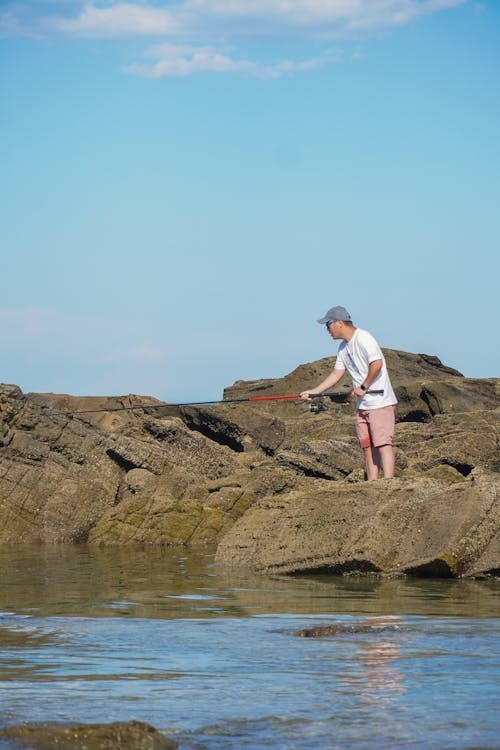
x: 35, y: 326
x: 195, y: 33
x: 184, y: 60
x: 242, y: 19
x: 119, y: 20
x: 12, y: 24
x: 28, y: 328
x: 24, y: 321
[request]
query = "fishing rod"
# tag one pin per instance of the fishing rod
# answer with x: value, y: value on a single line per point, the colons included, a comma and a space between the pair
x: 338, y: 396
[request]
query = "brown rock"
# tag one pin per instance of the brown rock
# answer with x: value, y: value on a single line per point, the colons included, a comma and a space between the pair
x: 161, y: 474
x: 60, y: 475
x: 131, y: 735
x: 391, y: 526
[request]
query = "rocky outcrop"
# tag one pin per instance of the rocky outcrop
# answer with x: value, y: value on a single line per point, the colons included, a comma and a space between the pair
x: 417, y: 527
x: 268, y: 481
x: 130, y: 735
x: 63, y: 475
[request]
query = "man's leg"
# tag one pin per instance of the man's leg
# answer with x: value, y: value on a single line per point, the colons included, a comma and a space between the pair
x: 371, y: 458
x: 372, y: 462
x: 381, y: 426
x: 387, y: 458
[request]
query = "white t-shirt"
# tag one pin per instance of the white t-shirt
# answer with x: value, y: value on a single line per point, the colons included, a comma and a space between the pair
x: 355, y: 356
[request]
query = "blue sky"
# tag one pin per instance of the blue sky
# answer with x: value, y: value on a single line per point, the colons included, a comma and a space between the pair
x: 187, y: 186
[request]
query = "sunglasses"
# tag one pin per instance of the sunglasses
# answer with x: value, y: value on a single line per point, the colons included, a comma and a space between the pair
x: 328, y: 324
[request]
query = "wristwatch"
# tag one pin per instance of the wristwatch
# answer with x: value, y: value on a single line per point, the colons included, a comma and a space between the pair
x: 363, y: 387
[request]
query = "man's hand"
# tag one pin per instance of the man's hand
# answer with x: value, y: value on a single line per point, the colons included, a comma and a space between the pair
x: 373, y: 370
x: 358, y: 392
x: 305, y: 395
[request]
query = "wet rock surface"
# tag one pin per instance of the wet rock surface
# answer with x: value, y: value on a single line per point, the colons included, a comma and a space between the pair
x: 276, y: 486
x: 339, y: 629
x: 130, y: 735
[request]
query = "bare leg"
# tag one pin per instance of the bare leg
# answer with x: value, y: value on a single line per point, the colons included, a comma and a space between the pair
x: 372, y: 463
x: 388, y: 461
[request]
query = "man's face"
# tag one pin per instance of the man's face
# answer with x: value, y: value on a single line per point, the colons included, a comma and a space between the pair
x: 334, y: 328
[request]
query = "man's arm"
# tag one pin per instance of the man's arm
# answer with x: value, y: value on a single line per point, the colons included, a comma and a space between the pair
x: 331, y: 380
x: 373, y: 370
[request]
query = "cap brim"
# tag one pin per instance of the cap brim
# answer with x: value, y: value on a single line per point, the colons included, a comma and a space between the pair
x: 323, y: 320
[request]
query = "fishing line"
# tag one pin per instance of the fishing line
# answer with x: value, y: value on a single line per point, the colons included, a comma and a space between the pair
x: 338, y: 397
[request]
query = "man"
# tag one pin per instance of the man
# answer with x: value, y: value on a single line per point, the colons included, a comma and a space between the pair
x: 362, y: 357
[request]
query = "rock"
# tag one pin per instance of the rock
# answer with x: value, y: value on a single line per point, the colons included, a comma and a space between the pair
x: 59, y: 475
x: 55, y: 475
x: 324, y: 459
x: 250, y: 430
x: 131, y: 735
x: 161, y: 474
x: 190, y: 450
x: 340, y: 628
x: 418, y: 527
x: 178, y: 508
x: 420, y: 400
x: 445, y: 473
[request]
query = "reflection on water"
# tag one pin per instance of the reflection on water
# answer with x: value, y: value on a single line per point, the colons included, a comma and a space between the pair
x: 379, y: 661
x: 170, y: 583
x: 212, y: 656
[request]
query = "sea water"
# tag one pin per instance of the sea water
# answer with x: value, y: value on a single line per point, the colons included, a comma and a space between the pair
x: 213, y: 658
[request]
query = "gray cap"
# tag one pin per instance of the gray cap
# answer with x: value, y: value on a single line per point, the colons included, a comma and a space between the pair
x: 336, y: 313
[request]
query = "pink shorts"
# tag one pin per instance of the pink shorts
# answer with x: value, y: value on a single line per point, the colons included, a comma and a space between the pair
x: 375, y: 427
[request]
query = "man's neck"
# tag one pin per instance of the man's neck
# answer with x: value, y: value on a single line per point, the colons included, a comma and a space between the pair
x: 349, y: 332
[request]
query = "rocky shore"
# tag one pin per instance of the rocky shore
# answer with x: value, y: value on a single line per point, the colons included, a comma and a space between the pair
x: 275, y: 486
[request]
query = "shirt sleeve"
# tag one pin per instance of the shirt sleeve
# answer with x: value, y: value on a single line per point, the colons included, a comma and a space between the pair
x: 371, y: 348
x: 339, y: 362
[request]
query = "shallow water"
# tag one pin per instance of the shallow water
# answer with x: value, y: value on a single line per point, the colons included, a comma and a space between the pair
x: 211, y: 657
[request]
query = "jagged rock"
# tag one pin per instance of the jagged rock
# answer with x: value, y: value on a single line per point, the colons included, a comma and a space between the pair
x: 55, y: 476
x: 250, y: 430
x: 162, y: 474
x: 462, y: 441
x: 190, y: 450
x: 130, y: 735
x: 420, y: 400
x: 60, y: 475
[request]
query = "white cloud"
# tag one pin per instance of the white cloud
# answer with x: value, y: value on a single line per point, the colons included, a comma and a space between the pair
x: 183, y: 60
x: 196, y: 32
x: 201, y: 20
x: 121, y: 19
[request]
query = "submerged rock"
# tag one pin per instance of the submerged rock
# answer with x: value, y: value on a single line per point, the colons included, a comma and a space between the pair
x: 131, y: 735
x: 276, y: 486
x: 338, y: 628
